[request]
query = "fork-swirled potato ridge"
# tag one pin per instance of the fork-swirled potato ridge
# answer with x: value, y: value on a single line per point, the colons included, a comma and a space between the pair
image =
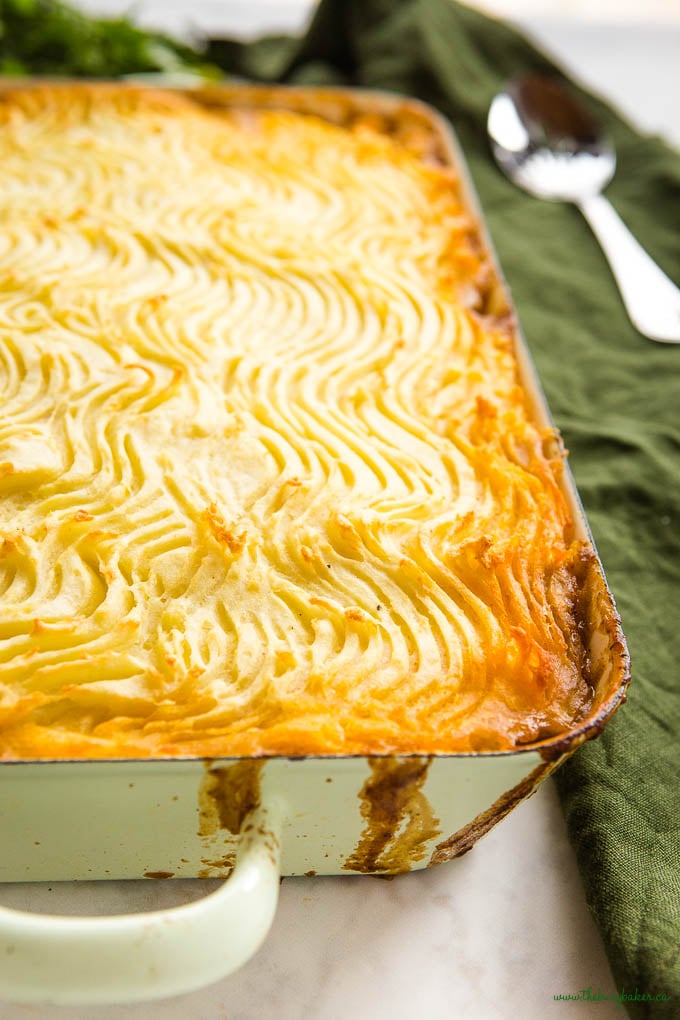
x: 268, y: 482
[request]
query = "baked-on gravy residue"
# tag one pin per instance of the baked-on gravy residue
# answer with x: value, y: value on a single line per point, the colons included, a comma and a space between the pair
x: 399, y: 821
x: 463, y: 840
x: 226, y: 795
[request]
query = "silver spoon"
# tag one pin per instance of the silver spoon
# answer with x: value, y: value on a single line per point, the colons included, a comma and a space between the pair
x: 548, y: 144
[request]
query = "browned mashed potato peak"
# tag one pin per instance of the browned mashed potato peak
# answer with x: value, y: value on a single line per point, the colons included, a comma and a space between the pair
x: 268, y: 480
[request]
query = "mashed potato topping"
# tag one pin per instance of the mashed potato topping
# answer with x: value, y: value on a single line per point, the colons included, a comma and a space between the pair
x: 268, y: 481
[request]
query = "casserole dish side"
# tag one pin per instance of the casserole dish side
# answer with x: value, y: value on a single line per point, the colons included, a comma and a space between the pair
x: 255, y: 818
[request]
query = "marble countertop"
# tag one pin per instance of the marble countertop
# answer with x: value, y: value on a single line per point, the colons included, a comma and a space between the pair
x: 497, y: 933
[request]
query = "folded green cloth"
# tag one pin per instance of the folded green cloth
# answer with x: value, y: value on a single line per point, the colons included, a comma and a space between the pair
x: 615, y: 397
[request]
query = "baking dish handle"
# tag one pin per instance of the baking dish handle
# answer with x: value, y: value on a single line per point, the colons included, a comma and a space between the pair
x: 137, y: 957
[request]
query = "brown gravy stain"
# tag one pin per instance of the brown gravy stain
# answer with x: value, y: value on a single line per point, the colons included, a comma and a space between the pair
x: 226, y: 796
x: 463, y: 840
x: 609, y: 672
x: 217, y: 867
x: 399, y: 821
x: 159, y: 874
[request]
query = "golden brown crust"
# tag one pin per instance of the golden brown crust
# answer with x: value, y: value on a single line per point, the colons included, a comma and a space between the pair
x: 268, y: 480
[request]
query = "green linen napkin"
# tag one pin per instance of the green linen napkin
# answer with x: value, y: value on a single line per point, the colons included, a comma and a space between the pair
x: 616, y: 399
x: 614, y: 395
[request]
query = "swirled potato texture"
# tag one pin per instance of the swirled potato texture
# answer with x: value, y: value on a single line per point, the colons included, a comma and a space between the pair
x: 268, y: 481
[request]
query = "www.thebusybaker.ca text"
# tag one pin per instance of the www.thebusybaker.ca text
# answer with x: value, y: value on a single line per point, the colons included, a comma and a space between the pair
x: 588, y: 995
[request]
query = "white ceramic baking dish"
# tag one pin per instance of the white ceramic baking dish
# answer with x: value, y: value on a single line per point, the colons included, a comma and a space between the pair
x: 252, y: 820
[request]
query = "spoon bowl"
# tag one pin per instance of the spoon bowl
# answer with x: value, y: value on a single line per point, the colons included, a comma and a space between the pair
x: 549, y: 144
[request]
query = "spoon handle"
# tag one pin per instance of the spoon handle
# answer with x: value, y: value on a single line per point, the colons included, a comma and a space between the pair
x: 652, y: 300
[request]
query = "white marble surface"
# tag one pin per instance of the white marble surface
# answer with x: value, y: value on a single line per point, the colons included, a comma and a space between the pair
x: 495, y: 934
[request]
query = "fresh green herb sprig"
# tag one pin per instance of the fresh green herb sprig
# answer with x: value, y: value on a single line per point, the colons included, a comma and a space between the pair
x: 49, y: 37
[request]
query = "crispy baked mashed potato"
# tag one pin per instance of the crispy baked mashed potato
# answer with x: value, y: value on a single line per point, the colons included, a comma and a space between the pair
x: 268, y: 480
